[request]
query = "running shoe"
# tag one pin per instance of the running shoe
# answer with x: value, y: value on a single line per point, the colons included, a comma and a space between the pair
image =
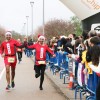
x: 12, y: 84
x: 37, y: 75
x: 41, y: 88
x: 8, y: 88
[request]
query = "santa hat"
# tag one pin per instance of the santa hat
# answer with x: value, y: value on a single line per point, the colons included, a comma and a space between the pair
x: 8, y: 33
x: 41, y: 37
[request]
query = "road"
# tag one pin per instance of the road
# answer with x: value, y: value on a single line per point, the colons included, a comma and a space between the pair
x: 27, y: 86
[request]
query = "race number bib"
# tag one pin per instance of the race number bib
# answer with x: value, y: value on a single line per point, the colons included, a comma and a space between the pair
x: 19, y: 49
x: 11, y: 59
x: 41, y: 62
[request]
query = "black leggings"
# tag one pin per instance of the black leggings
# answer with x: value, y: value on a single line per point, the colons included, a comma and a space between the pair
x: 19, y: 55
x: 39, y: 71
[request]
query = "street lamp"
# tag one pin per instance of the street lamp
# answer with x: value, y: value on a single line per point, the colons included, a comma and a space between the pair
x: 23, y: 30
x: 27, y: 26
x: 43, y: 17
x: 31, y: 3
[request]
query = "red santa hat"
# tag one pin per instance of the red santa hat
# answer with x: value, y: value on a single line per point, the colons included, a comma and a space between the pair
x: 41, y: 37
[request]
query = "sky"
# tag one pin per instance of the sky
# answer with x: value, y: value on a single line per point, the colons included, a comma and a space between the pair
x: 13, y: 13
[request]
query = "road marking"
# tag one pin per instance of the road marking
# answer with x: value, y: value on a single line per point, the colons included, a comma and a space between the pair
x: 1, y: 74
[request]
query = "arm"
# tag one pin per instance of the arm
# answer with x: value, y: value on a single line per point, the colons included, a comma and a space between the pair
x: 31, y: 47
x: 19, y: 45
x: 49, y: 50
x: 95, y: 68
x: 73, y: 56
x: 2, y: 50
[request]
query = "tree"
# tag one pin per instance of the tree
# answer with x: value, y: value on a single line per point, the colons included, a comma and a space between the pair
x: 77, y: 25
x: 58, y: 27
x: 16, y: 35
x: 2, y: 34
x: 55, y: 27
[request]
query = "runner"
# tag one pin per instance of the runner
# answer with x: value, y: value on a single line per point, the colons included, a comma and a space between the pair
x: 40, y: 58
x: 19, y: 51
x: 8, y: 51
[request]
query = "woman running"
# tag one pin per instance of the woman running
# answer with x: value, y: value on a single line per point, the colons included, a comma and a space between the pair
x: 40, y: 58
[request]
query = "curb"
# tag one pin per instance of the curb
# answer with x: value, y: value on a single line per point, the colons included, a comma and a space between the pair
x: 57, y: 87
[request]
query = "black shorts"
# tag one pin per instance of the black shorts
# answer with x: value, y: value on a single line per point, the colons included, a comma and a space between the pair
x: 39, y: 68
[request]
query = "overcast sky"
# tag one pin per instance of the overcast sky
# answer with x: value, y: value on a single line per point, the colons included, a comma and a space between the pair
x: 13, y: 13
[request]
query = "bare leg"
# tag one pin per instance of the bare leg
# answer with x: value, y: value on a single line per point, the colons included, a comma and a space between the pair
x: 8, y: 74
x: 13, y: 73
x: 13, y: 76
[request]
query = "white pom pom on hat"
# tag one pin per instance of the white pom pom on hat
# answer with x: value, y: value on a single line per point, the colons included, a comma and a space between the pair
x: 41, y: 37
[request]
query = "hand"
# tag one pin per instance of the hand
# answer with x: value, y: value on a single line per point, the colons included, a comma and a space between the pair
x: 54, y: 55
x: 89, y: 64
x: 2, y: 55
x: 76, y: 56
x: 85, y: 71
x: 69, y: 55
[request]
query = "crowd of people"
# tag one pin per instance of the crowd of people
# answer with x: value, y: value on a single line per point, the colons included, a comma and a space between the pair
x: 84, y: 48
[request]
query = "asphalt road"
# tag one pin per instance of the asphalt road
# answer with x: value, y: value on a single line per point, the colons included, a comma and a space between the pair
x: 27, y: 86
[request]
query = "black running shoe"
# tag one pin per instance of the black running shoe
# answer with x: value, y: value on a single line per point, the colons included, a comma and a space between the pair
x: 37, y: 75
x: 41, y: 88
x: 12, y: 84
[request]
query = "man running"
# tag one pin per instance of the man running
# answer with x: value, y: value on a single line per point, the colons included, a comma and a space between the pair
x: 19, y: 51
x: 8, y: 51
x: 40, y: 58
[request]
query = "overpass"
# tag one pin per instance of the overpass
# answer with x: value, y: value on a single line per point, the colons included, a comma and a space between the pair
x: 88, y: 11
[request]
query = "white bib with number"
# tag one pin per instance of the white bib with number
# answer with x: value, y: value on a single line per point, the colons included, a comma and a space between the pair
x: 19, y: 49
x: 41, y: 62
x: 11, y: 59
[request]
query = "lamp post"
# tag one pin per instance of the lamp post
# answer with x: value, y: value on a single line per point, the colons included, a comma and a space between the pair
x: 31, y: 3
x: 27, y: 26
x: 43, y: 17
x: 23, y: 30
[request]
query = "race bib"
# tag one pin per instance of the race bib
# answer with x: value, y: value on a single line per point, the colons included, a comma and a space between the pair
x: 11, y: 59
x: 18, y: 49
x: 41, y: 62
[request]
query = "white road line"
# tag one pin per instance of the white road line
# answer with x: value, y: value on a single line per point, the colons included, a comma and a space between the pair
x: 1, y: 74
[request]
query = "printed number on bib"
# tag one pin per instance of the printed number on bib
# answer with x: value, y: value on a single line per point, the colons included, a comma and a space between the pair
x: 19, y: 49
x: 11, y: 59
x: 41, y: 62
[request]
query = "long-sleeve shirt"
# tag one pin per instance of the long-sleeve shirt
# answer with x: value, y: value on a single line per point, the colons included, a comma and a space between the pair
x: 9, y: 47
x: 40, y: 51
x: 95, y: 68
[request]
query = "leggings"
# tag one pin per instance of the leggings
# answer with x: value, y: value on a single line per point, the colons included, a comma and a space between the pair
x: 19, y: 55
x: 39, y: 71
